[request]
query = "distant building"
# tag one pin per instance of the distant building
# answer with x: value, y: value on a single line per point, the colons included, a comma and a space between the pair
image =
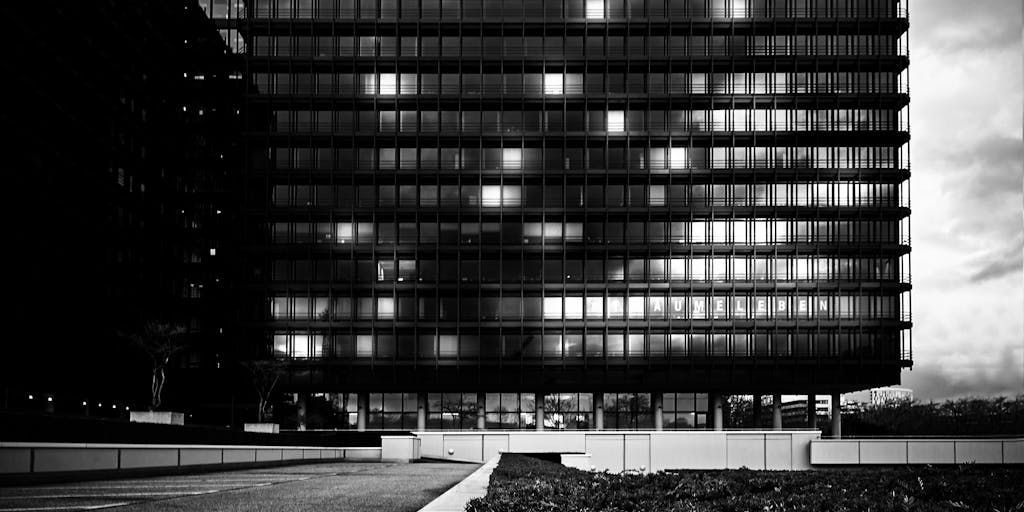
x: 794, y: 412
x: 889, y: 395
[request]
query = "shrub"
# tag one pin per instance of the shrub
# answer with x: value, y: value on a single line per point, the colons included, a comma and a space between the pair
x: 521, y: 483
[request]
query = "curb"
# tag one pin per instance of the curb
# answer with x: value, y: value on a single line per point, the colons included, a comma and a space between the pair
x: 473, y: 486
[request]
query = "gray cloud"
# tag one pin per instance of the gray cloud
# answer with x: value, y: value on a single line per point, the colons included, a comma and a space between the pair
x: 1002, y: 263
x: 929, y: 382
x: 951, y: 26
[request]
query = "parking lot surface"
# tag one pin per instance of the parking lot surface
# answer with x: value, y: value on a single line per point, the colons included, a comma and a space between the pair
x: 314, y: 487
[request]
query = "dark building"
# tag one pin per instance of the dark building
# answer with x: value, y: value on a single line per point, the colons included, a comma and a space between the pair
x: 462, y: 213
x: 123, y: 131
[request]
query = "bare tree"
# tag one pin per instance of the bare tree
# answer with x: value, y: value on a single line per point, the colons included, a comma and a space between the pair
x: 265, y: 374
x: 160, y: 341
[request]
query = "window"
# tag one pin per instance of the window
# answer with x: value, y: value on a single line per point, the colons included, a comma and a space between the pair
x: 388, y: 84
x: 595, y: 9
x: 553, y: 83
x: 616, y: 121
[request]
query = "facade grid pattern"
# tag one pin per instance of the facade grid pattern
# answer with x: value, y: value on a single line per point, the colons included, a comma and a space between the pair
x: 613, y: 196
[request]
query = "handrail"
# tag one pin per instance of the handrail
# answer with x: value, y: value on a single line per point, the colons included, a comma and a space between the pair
x: 655, y: 12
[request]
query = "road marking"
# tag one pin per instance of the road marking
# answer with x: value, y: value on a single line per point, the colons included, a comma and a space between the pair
x: 81, y: 507
x: 110, y: 495
x: 99, y: 487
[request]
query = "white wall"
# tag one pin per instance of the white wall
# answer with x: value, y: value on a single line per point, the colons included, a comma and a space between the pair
x: 56, y: 457
x: 917, y: 451
x: 649, y: 450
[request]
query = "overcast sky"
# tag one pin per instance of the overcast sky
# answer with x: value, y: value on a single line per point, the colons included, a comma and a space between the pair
x: 967, y: 193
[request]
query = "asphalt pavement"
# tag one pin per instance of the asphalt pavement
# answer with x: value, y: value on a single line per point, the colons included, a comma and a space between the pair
x: 340, y: 486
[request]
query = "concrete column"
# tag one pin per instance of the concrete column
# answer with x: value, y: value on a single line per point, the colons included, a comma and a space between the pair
x: 362, y: 409
x: 421, y: 412
x: 812, y: 413
x: 538, y: 400
x: 837, y: 417
x: 757, y: 411
x: 598, y: 411
x: 776, y: 412
x: 481, y: 410
x: 658, y: 407
x: 716, y: 410
x: 300, y: 410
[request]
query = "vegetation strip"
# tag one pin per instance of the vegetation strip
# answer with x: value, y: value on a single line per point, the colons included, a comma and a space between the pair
x: 521, y: 483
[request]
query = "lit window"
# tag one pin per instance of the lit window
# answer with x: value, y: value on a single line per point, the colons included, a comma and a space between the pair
x: 301, y: 345
x: 344, y: 233
x: 574, y: 307
x: 512, y: 158
x: 213, y: 252
x: 677, y: 158
x: 595, y: 9
x: 511, y: 195
x: 616, y: 121
x: 388, y: 84
x: 636, y: 306
x: 553, y: 83
x: 615, y: 309
x: 552, y: 308
x: 739, y: 9
x: 595, y: 307
x: 369, y: 83
x: 385, y: 307
x: 490, y: 195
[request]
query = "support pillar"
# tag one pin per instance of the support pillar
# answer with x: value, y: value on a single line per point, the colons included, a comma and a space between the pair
x: 538, y: 401
x: 300, y: 410
x: 776, y: 412
x: 757, y: 411
x: 658, y: 407
x: 812, y: 413
x: 837, y: 417
x: 598, y: 411
x: 716, y: 411
x: 362, y: 408
x: 481, y: 411
x: 421, y: 412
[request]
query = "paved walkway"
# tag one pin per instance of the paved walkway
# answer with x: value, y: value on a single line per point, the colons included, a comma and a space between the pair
x: 335, y: 487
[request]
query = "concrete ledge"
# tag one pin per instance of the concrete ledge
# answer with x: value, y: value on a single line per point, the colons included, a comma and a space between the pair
x: 399, y: 448
x: 161, y: 417
x: 576, y: 460
x: 32, y: 461
x: 827, y: 452
x: 473, y: 486
x: 646, y: 451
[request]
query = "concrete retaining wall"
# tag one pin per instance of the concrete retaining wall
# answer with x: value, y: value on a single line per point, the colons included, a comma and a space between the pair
x: 917, y: 451
x: 635, y: 451
x: 32, y: 458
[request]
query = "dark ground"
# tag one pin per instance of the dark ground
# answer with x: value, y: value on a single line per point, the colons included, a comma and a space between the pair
x: 335, y: 487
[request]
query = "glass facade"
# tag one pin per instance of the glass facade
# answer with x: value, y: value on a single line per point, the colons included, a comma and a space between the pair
x: 578, y: 198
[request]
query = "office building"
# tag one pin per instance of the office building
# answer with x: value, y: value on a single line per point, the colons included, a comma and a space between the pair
x: 573, y: 213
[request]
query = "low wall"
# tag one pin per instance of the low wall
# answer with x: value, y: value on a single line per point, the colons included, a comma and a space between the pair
x: 37, y: 458
x: 843, y: 452
x: 635, y: 450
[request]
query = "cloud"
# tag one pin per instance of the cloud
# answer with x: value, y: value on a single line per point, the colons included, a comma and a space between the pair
x: 1002, y: 263
x: 967, y: 151
x: 932, y: 383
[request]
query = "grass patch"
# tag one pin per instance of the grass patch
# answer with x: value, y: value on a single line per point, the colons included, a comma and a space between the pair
x: 521, y: 483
